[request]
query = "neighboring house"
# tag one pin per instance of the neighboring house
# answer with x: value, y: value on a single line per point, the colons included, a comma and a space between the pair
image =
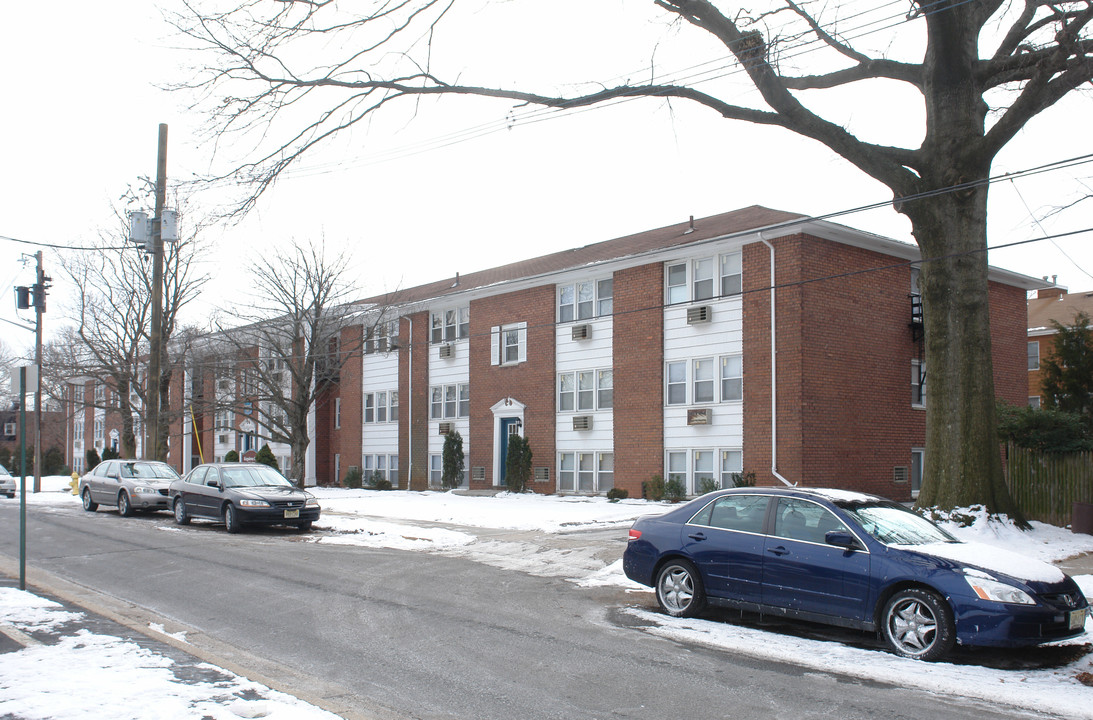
x: 53, y: 434
x: 1050, y: 304
x: 752, y: 341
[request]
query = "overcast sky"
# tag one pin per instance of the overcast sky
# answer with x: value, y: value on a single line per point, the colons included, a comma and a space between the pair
x: 81, y: 115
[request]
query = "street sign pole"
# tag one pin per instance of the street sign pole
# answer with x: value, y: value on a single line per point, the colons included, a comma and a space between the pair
x: 23, y: 478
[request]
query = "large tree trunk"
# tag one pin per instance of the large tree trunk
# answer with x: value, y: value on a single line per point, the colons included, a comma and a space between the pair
x: 963, y: 464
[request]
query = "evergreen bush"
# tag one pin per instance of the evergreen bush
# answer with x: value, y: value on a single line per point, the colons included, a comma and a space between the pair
x: 453, y: 461
x: 110, y: 454
x: 616, y: 494
x: 92, y: 458
x: 376, y: 481
x: 354, y: 478
x: 707, y: 485
x: 675, y: 490
x: 232, y: 456
x: 518, y: 464
x: 653, y: 489
x: 266, y: 457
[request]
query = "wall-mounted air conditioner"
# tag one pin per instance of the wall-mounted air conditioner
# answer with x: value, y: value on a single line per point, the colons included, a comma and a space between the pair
x: 447, y: 350
x: 698, y: 416
x: 582, y: 422
x: 446, y: 427
x: 698, y: 314
x: 581, y: 332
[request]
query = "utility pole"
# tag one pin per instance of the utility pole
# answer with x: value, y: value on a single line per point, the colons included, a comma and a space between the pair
x: 39, y: 309
x: 155, y: 355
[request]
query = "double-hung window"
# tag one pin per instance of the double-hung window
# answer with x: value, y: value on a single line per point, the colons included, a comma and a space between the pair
x: 449, y: 401
x: 702, y: 283
x: 703, y: 278
x: 1034, y: 355
x: 381, y: 407
x: 451, y: 324
x: 731, y: 274
x: 586, y: 472
x: 696, y: 381
x: 918, y: 383
x: 585, y: 390
x: 508, y: 344
x: 585, y: 300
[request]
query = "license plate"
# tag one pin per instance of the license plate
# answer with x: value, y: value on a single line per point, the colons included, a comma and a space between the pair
x: 1077, y: 619
x: 292, y: 514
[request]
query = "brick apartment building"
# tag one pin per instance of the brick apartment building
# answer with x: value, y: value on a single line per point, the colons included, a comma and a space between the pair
x: 1050, y: 304
x: 752, y: 341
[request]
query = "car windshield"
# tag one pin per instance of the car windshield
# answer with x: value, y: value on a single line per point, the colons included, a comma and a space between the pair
x: 147, y: 470
x: 255, y: 476
x: 894, y: 524
x: 4, y: 472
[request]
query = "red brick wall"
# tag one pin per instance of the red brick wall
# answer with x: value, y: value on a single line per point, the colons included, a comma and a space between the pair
x: 531, y: 382
x: 1009, y: 344
x: 638, y: 350
x: 330, y: 438
x: 413, y: 421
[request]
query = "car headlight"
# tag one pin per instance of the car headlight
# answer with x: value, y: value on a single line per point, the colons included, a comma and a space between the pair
x: 254, y: 503
x: 998, y: 591
x: 142, y: 490
x: 312, y: 502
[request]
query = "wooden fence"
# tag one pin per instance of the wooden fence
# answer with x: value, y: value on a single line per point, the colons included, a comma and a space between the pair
x: 1046, y: 485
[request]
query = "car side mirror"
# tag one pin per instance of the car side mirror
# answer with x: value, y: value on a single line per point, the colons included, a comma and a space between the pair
x: 841, y: 538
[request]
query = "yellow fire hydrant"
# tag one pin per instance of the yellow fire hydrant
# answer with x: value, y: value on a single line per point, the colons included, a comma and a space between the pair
x: 75, y: 484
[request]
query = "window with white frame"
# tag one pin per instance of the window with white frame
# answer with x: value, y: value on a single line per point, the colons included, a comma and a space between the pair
x: 77, y: 393
x: 381, y: 466
x: 704, y: 380
x: 436, y: 469
x: 450, y: 324
x: 382, y: 337
x: 1034, y: 402
x: 100, y: 392
x: 585, y: 390
x: 704, y: 469
x: 337, y: 414
x: 703, y: 278
x: 1034, y: 355
x: 585, y: 300
x: 918, y: 383
x: 9, y: 429
x: 586, y: 472
x: 99, y: 427
x: 77, y: 430
x: 381, y: 407
x: 449, y: 401
x: 508, y: 344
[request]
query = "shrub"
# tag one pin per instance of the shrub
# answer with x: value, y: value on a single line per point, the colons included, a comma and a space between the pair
x: 266, y: 457
x: 746, y: 479
x: 707, y: 485
x: 53, y: 462
x: 653, y: 489
x: 518, y: 464
x: 453, y: 461
x: 110, y: 454
x: 92, y: 458
x: 616, y: 494
x: 354, y: 478
x: 232, y: 456
x: 675, y: 490
x: 377, y: 481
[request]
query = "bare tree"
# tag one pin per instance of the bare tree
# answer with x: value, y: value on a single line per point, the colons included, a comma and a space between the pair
x: 109, y: 341
x: 989, y: 67
x: 281, y: 351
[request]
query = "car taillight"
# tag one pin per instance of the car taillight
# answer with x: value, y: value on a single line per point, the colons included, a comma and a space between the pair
x: 634, y: 534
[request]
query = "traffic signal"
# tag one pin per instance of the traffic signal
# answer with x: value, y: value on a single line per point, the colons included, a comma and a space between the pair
x: 22, y: 298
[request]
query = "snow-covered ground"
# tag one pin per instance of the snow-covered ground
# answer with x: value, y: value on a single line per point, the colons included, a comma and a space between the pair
x: 78, y: 676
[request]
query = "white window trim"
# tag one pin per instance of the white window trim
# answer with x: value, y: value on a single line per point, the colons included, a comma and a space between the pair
x: 598, y: 473
x: 716, y: 277
x: 689, y: 381
x: 497, y: 348
x: 598, y: 299
x: 597, y: 389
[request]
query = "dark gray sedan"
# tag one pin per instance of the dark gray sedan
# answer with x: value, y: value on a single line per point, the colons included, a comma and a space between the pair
x: 239, y: 494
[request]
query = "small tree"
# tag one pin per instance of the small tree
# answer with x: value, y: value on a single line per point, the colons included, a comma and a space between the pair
x: 53, y: 462
x: 231, y: 456
x: 1068, y: 374
x: 92, y: 458
x: 518, y: 464
x: 110, y: 454
x: 453, y: 461
x: 354, y: 478
x: 1045, y: 430
x: 266, y: 457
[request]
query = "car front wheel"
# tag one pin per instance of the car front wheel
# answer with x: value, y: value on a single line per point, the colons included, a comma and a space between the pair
x: 231, y: 519
x: 181, y: 516
x: 679, y: 589
x: 918, y: 624
x: 125, y: 508
x: 88, y: 504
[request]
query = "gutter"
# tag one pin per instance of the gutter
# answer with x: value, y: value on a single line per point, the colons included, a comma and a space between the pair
x: 773, y: 374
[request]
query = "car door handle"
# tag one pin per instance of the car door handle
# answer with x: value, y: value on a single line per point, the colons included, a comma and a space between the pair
x: 697, y: 536
x: 780, y: 550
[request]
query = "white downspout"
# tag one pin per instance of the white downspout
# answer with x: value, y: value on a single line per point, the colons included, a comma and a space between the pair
x: 773, y: 375
x: 410, y: 409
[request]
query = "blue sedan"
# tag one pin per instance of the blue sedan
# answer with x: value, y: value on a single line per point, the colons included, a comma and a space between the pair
x: 853, y: 560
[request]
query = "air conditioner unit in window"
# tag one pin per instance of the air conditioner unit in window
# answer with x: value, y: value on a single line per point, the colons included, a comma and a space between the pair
x: 447, y: 350
x: 698, y: 416
x: 581, y: 332
x: 222, y: 439
x: 582, y: 422
x: 698, y: 314
x: 446, y: 427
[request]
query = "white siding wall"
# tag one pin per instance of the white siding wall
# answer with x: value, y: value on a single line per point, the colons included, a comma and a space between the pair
x: 576, y: 355
x: 380, y: 374
x: 449, y: 371
x: 723, y: 335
